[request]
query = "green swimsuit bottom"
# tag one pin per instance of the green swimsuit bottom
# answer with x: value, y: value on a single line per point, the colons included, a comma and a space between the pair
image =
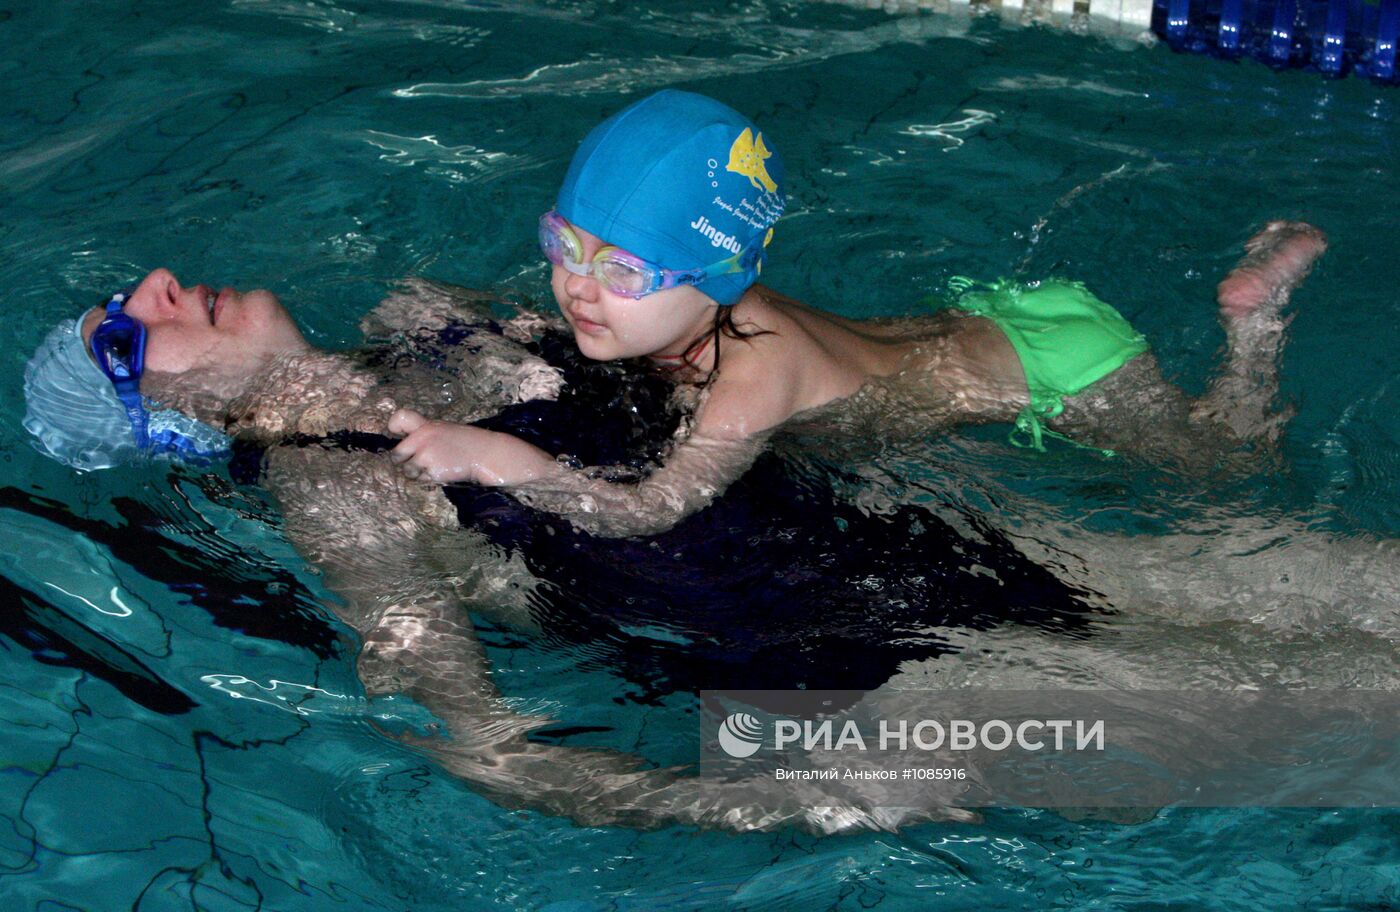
x: 1065, y: 337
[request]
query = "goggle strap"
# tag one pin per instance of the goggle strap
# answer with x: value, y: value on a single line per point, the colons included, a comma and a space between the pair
x: 662, y: 278
x: 740, y: 262
x: 174, y: 443
x: 117, y: 301
x: 690, y: 276
x: 136, y: 414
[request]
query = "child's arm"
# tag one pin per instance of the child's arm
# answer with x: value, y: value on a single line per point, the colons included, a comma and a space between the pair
x: 696, y: 472
x: 731, y: 429
x: 444, y: 452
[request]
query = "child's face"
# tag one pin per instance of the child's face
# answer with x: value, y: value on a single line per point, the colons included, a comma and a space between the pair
x: 608, y: 326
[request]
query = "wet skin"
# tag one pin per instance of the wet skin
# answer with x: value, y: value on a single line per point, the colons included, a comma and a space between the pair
x: 609, y: 326
x: 791, y: 359
x: 380, y: 539
x: 237, y: 337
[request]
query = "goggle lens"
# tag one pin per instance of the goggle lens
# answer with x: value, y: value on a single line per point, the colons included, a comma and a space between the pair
x: 621, y: 276
x: 557, y: 242
x: 119, y: 344
x: 114, y: 346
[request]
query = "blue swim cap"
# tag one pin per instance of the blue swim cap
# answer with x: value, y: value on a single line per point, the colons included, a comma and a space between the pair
x: 75, y: 416
x: 681, y: 180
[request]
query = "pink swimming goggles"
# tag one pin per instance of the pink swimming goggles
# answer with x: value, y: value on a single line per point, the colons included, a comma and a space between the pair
x: 621, y: 272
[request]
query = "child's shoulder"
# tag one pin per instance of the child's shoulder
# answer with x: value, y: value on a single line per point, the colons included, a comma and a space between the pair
x: 753, y: 391
x: 776, y: 368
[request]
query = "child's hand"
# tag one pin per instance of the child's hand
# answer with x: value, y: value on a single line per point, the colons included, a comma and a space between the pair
x: 442, y: 452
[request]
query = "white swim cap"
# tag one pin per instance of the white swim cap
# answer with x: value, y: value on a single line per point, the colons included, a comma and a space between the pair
x: 75, y: 416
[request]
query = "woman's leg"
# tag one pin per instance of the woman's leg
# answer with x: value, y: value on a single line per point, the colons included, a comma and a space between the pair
x: 1274, y: 570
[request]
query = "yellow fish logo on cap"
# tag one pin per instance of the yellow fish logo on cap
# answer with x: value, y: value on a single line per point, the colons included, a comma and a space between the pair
x: 746, y: 157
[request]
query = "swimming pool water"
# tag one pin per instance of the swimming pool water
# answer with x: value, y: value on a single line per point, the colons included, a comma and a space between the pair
x: 180, y: 723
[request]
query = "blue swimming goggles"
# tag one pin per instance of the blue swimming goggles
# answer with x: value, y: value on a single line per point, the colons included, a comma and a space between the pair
x: 119, y: 345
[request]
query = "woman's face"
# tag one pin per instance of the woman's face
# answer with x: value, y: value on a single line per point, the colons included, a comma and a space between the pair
x: 608, y: 326
x: 238, y: 335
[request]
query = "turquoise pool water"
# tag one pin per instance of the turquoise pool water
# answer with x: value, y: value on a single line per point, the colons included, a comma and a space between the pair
x: 181, y: 726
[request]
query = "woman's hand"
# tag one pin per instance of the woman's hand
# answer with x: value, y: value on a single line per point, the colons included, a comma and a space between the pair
x: 442, y: 452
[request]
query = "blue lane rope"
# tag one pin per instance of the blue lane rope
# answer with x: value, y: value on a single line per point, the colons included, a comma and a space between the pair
x: 1333, y: 37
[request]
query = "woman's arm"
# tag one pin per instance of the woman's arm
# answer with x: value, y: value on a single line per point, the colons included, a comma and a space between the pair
x: 380, y: 543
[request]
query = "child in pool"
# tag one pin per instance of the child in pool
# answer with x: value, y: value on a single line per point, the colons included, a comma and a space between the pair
x: 657, y: 239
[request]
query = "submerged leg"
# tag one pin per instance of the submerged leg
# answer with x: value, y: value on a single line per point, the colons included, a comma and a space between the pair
x: 1251, y: 297
x: 1276, y: 571
x: 1135, y: 409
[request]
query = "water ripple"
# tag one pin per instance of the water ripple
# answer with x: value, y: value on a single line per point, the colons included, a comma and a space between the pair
x: 768, y: 49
